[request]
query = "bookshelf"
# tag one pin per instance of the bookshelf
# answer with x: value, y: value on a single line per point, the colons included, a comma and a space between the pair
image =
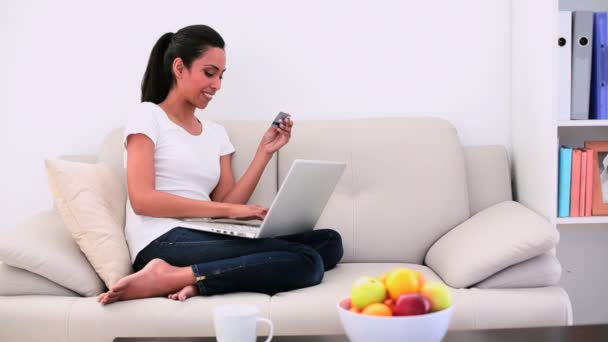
x: 583, y: 123
x: 537, y: 132
x: 582, y: 220
x: 536, y: 136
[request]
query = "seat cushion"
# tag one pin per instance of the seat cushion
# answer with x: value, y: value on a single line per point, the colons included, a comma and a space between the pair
x: 154, y: 317
x: 18, y: 282
x: 313, y: 309
x: 44, y: 246
x: 510, y: 308
x: 35, y: 318
x: 91, y: 201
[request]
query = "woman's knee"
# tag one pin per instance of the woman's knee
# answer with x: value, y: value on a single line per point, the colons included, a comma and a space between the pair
x: 335, y: 252
x: 314, y: 267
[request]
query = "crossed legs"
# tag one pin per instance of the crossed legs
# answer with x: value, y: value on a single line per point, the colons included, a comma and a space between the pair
x: 229, y: 264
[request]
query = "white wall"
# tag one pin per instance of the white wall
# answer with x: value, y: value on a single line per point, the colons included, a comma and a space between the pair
x: 71, y: 70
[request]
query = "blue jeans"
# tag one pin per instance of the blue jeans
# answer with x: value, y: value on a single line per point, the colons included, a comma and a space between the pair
x: 224, y: 264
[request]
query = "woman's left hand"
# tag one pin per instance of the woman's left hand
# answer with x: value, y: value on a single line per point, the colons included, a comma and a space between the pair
x: 276, y: 137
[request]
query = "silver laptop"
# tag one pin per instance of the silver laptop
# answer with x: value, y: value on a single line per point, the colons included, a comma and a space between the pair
x: 295, y: 209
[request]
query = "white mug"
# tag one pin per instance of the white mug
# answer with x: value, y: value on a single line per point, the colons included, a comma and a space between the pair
x: 237, y: 323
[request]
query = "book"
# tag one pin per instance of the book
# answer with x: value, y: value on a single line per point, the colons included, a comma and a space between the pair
x: 599, y: 68
x: 589, y: 185
x: 575, y: 183
x: 564, y: 46
x: 582, y: 39
x: 565, y: 172
x: 583, y: 186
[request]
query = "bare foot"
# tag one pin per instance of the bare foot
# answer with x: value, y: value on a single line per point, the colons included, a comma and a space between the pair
x: 157, y: 278
x: 102, y: 296
x: 185, y: 293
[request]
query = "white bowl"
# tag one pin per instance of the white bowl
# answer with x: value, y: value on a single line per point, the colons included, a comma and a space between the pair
x: 430, y: 327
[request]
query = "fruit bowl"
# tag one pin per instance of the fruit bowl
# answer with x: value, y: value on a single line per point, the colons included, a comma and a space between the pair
x: 429, y: 327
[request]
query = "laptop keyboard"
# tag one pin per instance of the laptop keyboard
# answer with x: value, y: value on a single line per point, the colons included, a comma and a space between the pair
x: 237, y: 228
x: 225, y: 226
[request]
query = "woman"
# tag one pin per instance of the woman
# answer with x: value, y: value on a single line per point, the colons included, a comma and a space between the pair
x: 178, y: 167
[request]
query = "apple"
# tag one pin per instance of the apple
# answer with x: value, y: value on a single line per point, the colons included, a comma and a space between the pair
x: 345, y: 303
x: 367, y: 290
x: 438, y: 294
x: 411, y: 304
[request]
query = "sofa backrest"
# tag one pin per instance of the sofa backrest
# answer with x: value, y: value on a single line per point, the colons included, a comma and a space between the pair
x: 408, y: 180
x: 488, y: 176
x: 404, y: 186
x: 246, y: 136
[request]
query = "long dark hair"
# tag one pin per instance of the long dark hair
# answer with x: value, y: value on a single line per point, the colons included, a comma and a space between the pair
x: 189, y: 43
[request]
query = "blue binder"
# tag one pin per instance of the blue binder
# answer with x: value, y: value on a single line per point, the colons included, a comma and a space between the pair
x: 599, y: 69
x: 565, y: 177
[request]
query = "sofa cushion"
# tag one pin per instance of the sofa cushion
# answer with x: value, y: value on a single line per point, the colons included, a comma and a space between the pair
x: 543, y: 270
x: 488, y: 176
x: 36, y: 318
x: 405, y: 182
x: 18, y: 282
x: 112, y: 153
x: 492, y: 240
x: 155, y: 317
x: 91, y: 202
x: 510, y: 308
x: 43, y: 245
x: 313, y: 309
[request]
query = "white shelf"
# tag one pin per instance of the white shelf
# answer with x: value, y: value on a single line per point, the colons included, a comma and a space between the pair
x: 583, y: 123
x: 582, y: 220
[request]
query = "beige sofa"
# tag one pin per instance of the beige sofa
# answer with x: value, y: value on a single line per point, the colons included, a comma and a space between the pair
x: 411, y: 195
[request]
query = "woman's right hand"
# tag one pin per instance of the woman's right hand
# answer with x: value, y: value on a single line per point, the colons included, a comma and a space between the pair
x: 247, y: 212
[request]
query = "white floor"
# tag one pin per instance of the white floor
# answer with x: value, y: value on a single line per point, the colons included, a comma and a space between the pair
x: 583, y: 253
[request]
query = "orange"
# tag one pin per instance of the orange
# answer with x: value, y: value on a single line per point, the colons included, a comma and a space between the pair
x: 421, y: 279
x: 354, y: 309
x: 402, y: 280
x: 377, y: 309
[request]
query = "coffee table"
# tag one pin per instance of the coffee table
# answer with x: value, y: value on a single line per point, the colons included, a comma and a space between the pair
x: 577, y: 333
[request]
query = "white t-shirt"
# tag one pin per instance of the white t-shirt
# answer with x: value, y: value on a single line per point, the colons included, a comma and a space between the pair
x: 185, y: 165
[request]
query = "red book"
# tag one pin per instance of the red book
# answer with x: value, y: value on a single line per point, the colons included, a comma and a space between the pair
x: 575, y: 185
x: 581, y: 207
x: 589, y: 185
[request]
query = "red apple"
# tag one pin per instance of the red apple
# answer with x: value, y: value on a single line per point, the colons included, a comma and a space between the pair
x: 411, y: 304
x: 346, y: 303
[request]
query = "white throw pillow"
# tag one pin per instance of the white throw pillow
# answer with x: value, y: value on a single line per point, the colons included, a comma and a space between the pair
x: 19, y: 282
x: 42, y: 245
x: 497, y: 237
x: 91, y: 201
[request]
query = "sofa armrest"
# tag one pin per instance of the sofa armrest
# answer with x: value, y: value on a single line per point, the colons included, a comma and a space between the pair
x: 540, y: 271
x: 502, y: 235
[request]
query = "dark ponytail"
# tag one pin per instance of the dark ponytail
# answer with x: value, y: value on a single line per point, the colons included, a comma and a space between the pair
x: 157, y: 82
x: 189, y: 43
